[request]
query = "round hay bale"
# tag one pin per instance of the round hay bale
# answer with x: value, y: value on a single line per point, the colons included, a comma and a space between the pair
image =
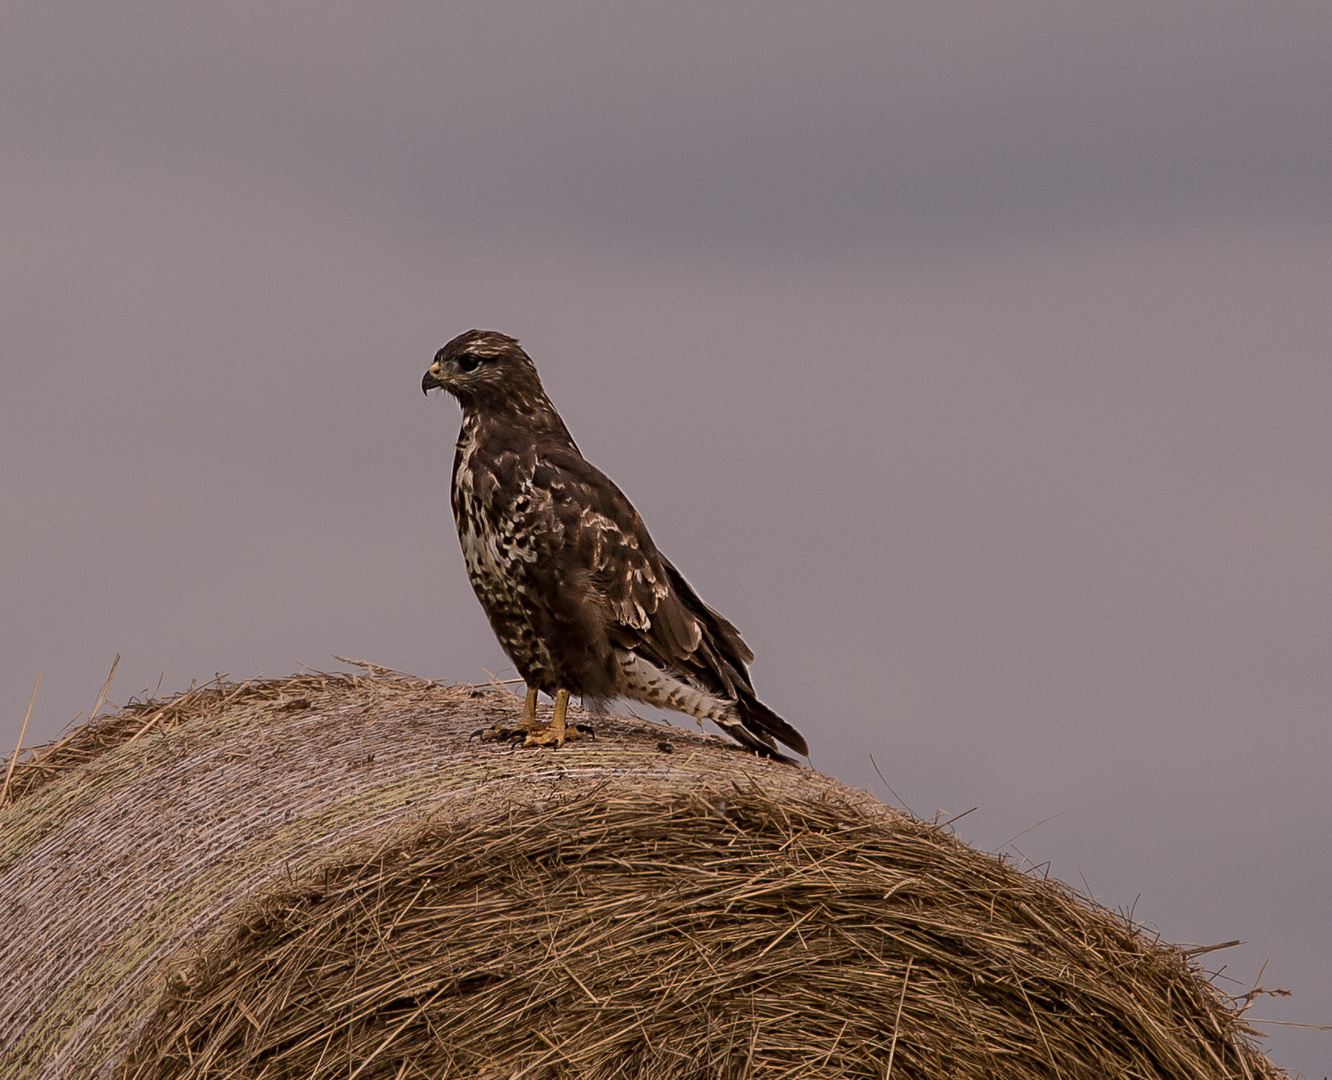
x: 324, y: 876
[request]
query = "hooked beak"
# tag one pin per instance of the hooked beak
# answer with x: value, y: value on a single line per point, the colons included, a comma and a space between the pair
x: 434, y: 379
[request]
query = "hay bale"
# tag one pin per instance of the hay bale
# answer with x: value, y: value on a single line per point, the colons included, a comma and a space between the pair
x: 323, y: 877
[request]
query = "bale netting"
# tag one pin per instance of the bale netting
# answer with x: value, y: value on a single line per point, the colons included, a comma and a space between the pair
x: 326, y: 876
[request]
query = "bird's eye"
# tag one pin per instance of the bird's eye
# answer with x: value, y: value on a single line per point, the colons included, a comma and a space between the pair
x: 468, y: 363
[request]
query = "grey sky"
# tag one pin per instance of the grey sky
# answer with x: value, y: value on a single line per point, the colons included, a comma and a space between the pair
x: 972, y: 358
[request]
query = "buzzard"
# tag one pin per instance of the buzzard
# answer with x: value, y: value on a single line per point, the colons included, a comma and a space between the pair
x: 576, y: 591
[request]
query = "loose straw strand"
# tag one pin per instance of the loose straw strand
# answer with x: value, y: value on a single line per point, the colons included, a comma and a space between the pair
x: 9, y: 773
x: 101, y: 697
x: 897, y: 1021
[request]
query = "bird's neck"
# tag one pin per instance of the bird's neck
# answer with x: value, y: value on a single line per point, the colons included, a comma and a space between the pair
x: 535, y: 416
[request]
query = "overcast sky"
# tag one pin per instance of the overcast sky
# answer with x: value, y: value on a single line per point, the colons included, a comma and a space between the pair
x: 972, y: 358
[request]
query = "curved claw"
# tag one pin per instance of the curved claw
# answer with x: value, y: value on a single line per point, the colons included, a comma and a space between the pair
x: 496, y: 734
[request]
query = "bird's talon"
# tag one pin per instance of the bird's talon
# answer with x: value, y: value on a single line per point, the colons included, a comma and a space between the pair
x: 496, y: 734
x: 549, y: 736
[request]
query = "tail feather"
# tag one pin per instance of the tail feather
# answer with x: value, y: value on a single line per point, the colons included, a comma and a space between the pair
x: 767, y: 725
x: 751, y: 740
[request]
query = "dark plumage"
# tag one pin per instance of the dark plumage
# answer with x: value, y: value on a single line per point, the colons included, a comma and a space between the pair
x: 577, y: 593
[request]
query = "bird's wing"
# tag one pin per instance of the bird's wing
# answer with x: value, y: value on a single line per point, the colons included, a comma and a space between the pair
x: 649, y: 606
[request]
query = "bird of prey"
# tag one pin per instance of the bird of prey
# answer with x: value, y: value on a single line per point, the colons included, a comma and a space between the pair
x: 576, y: 591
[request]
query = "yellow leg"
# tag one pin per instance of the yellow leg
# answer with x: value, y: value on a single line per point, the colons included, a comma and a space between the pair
x: 557, y: 733
x: 529, y: 708
x: 561, y: 706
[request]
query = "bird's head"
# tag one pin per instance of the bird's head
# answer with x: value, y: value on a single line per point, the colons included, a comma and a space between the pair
x: 482, y: 367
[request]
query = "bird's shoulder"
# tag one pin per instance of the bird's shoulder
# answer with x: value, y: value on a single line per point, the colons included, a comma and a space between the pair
x: 494, y: 473
x: 580, y: 487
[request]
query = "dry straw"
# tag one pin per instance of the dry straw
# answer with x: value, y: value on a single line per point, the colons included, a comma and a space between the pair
x: 324, y: 876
